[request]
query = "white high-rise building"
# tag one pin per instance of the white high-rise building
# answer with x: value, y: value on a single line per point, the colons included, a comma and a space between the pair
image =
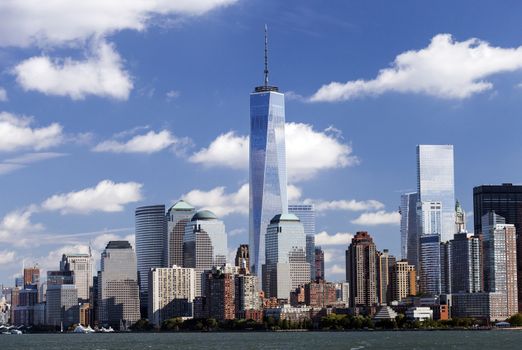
x: 204, y: 244
x: 177, y: 218
x: 171, y: 293
x: 81, y: 265
x: 118, y: 294
x: 286, y: 267
x: 435, y: 183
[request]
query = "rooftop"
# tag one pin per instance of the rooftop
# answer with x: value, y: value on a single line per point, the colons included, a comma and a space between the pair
x: 284, y: 217
x: 118, y: 245
x: 204, y: 215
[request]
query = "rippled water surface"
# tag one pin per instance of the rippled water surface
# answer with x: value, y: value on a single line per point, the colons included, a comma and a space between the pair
x: 501, y: 339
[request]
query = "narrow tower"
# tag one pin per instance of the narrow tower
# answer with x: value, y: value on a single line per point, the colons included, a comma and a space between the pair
x: 267, y: 164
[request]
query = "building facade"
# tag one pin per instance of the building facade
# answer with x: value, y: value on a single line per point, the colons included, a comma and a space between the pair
x: 286, y: 267
x: 319, y: 264
x: 409, y: 237
x: 430, y: 266
x: 204, y: 244
x: 435, y: 183
x: 171, y: 293
x: 403, y: 280
x: 118, y: 292
x: 361, y: 270
x: 81, y: 266
x: 177, y: 218
x: 466, y: 263
x: 151, y: 232
x: 385, y: 263
x: 62, y: 305
x: 306, y: 214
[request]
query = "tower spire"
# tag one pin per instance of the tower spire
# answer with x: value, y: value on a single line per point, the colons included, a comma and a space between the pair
x: 266, y: 56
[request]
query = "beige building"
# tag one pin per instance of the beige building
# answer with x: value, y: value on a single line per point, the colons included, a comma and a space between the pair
x: 171, y: 293
x: 81, y: 265
x: 403, y: 280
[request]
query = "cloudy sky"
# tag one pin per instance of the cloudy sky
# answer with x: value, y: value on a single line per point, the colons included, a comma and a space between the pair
x: 109, y: 105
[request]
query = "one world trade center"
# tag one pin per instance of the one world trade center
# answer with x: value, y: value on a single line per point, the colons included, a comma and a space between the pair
x: 268, y: 178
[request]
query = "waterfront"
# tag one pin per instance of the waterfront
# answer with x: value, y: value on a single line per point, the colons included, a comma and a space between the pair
x: 501, y: 339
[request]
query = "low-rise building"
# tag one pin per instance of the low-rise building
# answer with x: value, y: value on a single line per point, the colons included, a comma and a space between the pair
x: 288, y: 312
x: 419, y: 313
x: 489, y: 306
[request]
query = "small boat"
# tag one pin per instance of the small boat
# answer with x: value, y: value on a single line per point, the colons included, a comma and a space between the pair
x: 16, y: 331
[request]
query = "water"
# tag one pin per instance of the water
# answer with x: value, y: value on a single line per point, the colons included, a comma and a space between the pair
x: 422, y: 340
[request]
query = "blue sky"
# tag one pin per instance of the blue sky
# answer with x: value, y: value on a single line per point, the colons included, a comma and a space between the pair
x: 107, y: 107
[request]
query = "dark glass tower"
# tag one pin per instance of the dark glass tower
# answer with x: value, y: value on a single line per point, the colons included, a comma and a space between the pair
x: 506, y: 201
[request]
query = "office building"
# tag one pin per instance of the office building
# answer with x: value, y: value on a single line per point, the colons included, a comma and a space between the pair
x: 500, y: 259
x: 409, y: 237
x: 319, y: 264
x: 466, y: 264
x: 177, y: 218
x: 320, y: 294
x: 361, y: 270
x: 435, y: 183
x: 446, y: 269
x: 506, y: 201
x: 306, y: 214
x: 81, y: 266
x: 342, y: 290
x: 62, y: 305
x: 268, y: 176
x: 31, y: 276
x: 171, y: 293
x: 247, y: 293
x: 286, y: 267
x: 481, y: 305
x: 430, y: 264
x: 118, y: 293
x: 204, y: 244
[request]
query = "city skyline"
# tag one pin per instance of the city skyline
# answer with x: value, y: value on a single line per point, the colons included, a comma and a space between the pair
x: 91, y: 154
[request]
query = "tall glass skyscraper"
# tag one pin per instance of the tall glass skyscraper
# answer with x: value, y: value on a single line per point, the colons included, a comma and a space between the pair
x: 306, y: 214
x: 268, y: 195
x: 435, y: 183
x: 409, y: 237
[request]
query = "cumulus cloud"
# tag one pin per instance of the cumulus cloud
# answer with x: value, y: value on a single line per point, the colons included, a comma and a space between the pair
x: 16, y: 226
x: 6, y: 257
x: 349, y: 205
x: 16, y: 133
x: 380, y: 217
x: 3, y: 94
x: 57, y: 22
x: 222, y: 203
x: 150, y: 142
x: 302, y: 142
x: 100, y: 74
x: 335, y: 269
x: 325, y: 239
x: 106, y: 196
x: 447, y: 69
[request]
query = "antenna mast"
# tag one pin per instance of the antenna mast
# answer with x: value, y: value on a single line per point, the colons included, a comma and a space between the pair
x: 266, y: 55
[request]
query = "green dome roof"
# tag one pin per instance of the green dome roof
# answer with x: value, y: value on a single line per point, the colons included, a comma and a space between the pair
x: 182, y: 206
x: 283, y: 217
x: 204, y: 215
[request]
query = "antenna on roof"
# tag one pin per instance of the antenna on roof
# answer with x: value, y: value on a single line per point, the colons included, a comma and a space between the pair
x: 266, y: 55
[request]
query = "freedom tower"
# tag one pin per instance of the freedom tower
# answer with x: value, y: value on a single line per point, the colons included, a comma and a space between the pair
x: 267, y: 164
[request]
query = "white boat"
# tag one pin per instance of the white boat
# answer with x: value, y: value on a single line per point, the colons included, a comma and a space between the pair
x: 107, y: 330
x: 16, y: 331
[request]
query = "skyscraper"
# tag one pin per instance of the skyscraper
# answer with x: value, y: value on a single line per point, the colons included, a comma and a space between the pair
x: 429, y: 221
x: 31, y: 275
x: 361, y: 270
x: 204, y: 244
x: 435, y: 183
x: 409, y: 237
x: 151, y: 232
x: 505, y: 200
x: 286, y: 267
x: 385, y: 263
x: 319, y: 264
x: 403, y: 280
x: 243, y: 259
x: 500, y: 259
x: 268, y: 177
x: 118, y: 296
x: 306, y: 214
x: 466, y: 264
x: 81, y: 265
x: 62, y: 305
x: 177, y: 218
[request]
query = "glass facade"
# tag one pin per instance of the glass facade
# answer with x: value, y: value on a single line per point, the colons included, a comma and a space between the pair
x: 435, y: 182
x: 409, y: 238
x: 268, y: 177
x: 430, y: 274
x: 306, y: 214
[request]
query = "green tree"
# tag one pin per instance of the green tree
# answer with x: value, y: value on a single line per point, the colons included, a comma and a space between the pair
x: 515, y: 320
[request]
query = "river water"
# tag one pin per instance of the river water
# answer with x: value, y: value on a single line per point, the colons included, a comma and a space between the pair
x: 422, y: 340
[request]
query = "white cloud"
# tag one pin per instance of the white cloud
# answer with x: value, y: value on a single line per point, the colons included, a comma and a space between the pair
x: 227, y: 150
x: 16, y: 226
x: 100, y: 74
x: 335, y: 269
x: 172, y: 95
x: 446, y: 69
x: 6, y: 257
x: 222, y: 203
x: 350, y: 205
x: 325, y: 239
x: 16, y: 134
x: 150, y: 142
x: 302, y: 142
x: 58, y: 22
x: 107, y: 196
x: 3, y: 94
x: 380, y: 217
x: 19, y: 162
